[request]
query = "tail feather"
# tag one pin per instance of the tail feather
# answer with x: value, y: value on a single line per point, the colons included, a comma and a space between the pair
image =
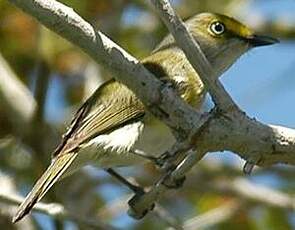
x: 53, y: 173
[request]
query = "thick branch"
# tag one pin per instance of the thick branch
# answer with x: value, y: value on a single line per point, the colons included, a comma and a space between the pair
x: 64, y: 21
x: 258, y: 143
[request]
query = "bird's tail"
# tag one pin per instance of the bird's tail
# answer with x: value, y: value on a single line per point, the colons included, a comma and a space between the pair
x: 53, y: 173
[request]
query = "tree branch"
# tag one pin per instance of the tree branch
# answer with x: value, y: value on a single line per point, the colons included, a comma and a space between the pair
x: 15, y: 98
x: 194, y: 54
x: 244, y: 189
x: 213, y: 217
x: 153, y: 93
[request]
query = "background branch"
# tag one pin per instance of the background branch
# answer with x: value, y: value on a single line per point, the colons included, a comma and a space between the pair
x: 244, y: 189
x: 15, y: 98
x: 214, y: 216
x: 55, y: 210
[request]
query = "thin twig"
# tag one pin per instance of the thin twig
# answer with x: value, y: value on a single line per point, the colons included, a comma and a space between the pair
x: 169, y: 219
x: 213, y: 217
x: 244, y: 189
x: 140, y: 205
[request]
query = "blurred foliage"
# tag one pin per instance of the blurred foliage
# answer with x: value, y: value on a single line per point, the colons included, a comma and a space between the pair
x: 132, y: 24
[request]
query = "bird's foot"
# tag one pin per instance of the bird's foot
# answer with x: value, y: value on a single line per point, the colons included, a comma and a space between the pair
x: 161, y: 161
x: 174, y: 183
x: 164, y: 161
x: 134, y: 211
x: 145, y: 156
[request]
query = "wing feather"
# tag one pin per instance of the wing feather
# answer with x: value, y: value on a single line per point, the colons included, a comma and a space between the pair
x: 111, y: 106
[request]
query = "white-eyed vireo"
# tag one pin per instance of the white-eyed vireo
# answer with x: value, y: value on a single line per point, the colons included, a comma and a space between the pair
x: 112, y: 125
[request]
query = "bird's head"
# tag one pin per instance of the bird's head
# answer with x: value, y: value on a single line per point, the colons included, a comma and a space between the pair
x: 224, y: 39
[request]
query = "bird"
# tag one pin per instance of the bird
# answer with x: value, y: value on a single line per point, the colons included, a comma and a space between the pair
x: 113, y: 126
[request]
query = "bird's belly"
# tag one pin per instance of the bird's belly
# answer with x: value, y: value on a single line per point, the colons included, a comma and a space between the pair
x: 117, y: 148
x: 155, y: 139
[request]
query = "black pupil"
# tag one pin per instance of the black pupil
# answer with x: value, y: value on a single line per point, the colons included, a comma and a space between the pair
x: 218, y: 27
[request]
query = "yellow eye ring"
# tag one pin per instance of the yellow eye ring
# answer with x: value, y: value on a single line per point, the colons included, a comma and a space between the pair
x: 217, y: 28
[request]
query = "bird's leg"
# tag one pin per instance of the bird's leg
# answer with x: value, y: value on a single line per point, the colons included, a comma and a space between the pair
x: 160, y: 162
x: 136, y: 189
x: 157, y: 160
x: 139, y: 192
x: 146, y: 156
x: 163, y: 159
x: 174, y: 184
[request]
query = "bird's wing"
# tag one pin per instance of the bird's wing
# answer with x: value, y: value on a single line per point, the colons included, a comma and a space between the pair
x: 111, y: 106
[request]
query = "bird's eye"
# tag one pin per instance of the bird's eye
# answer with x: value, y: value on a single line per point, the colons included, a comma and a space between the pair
x: 217, y: 28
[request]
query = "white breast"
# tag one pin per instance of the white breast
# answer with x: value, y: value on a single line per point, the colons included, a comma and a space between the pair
x: 117, y: 147
x: 120, y: 140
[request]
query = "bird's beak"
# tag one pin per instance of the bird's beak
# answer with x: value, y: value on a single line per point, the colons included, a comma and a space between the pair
x: 258, y: 40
